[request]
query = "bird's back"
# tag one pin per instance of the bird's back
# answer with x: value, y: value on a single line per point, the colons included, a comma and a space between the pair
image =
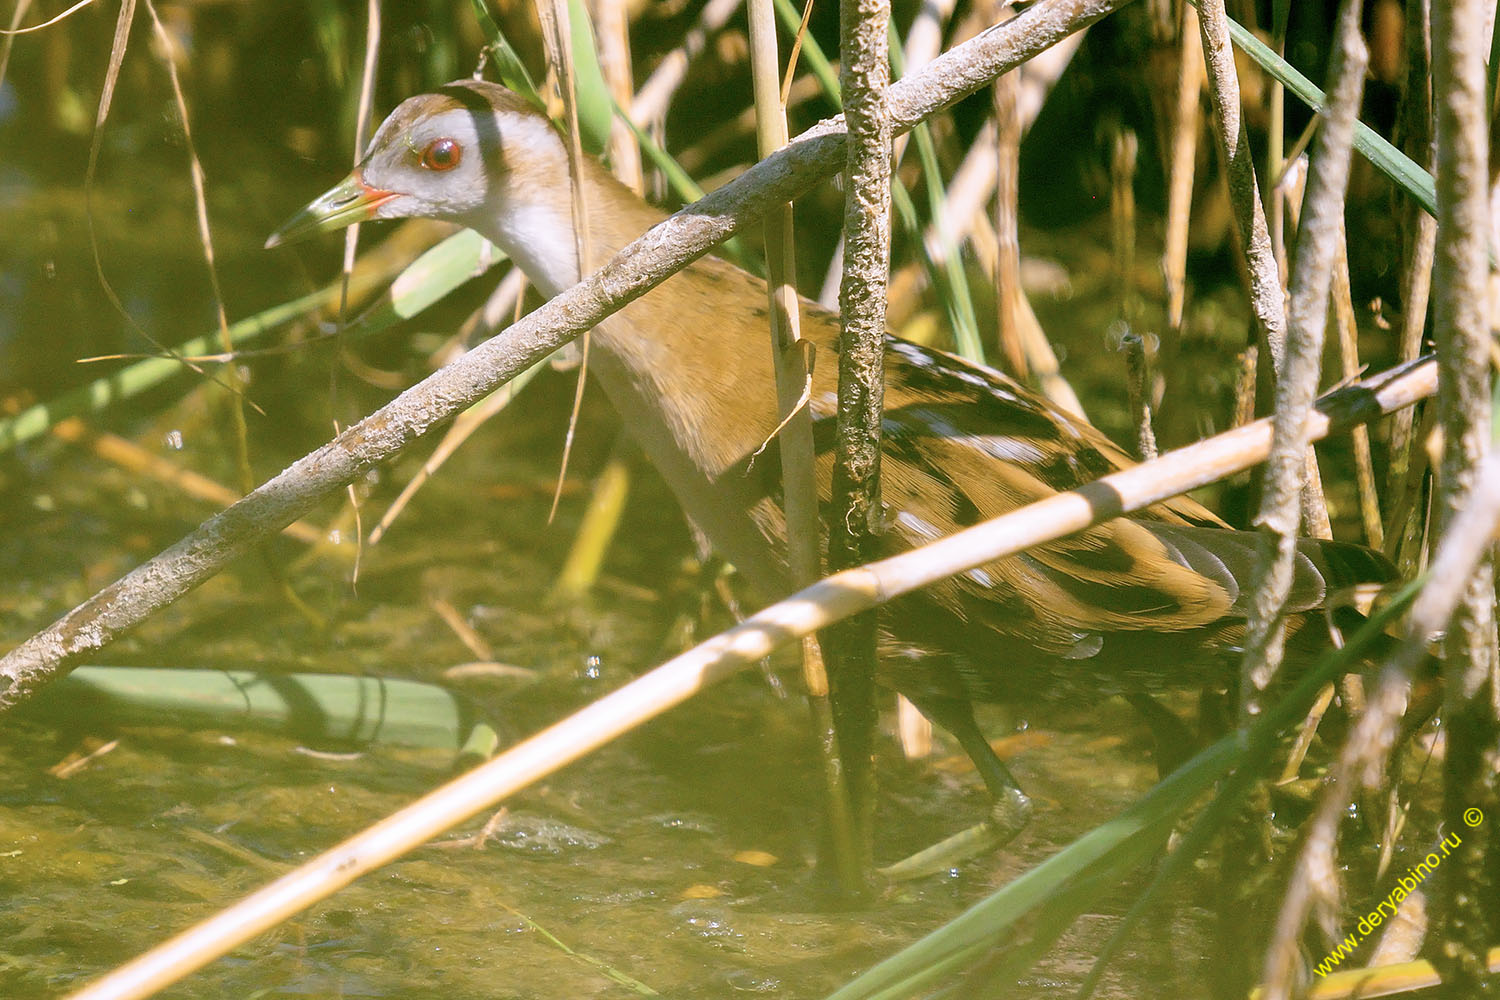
x: 1153, y: 600
x: 1138, y: 603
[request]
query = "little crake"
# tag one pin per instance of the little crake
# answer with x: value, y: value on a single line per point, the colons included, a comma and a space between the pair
x: 1135, y: 605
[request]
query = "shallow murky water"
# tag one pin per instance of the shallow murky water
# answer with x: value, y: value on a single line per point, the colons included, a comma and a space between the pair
x: 635, y: 859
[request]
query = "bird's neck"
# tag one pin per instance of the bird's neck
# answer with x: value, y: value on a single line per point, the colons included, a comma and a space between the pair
x: 536, y: 226
x: 688, y: 365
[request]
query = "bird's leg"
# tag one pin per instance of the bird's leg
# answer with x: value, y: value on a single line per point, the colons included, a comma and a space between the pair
x: 1174, y: 741
x: 1010, y: 807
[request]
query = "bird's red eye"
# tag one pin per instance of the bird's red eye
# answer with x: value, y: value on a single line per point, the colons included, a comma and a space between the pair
x: 442, y: 154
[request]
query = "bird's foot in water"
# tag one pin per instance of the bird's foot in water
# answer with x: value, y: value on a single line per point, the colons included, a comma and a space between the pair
x: 1009, y: 815
x: 1010, y: 812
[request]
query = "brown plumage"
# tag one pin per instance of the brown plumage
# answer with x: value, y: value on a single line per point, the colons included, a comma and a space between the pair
x: 1137, y: 604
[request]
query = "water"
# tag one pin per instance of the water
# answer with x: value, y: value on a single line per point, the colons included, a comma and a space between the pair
x: 628, y: 857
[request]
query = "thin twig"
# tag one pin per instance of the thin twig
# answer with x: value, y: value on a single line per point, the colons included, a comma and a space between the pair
x: 7, y: 37
x: 1276, y: 138
x: 362, y: 127
x: 1008, y: 291
x: 1266, y: 301
x: 1183, y: 162
x: 557, y: 33
x: 1317, y: 242
x: 235, y: 404
x: 857, y: 515
x: 1239, y: 169
x: 1348, y: 331
x: 117, y: 50
x: 1468, y: 920
x: 56, y: 19
x: 794, y: 436
x: 798, y: 37
x: 366, y: 102
x: 1402, y: 532
x: 1122, y: 214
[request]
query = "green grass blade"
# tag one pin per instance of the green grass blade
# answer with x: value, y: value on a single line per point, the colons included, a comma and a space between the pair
x: 438, y: 271
x: 1288, y: 711
x: 433, y: 275
x: 146, y: 374
x: 596, y: 106
x: 1114, y: 848
x: 681, y: 182
x: 683, y: 186
x: 950, y: 278
x: 508, y: 66
x: 914, y: 967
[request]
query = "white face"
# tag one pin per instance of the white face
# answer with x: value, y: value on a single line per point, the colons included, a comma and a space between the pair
x: 500, y: 172
x: 434, y: 166
x: 447, y: 162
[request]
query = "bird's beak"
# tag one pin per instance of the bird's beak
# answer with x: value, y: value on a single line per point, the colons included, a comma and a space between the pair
x: 351, y: 201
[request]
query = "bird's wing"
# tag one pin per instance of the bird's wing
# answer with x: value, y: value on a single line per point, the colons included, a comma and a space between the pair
x: 964, y: 444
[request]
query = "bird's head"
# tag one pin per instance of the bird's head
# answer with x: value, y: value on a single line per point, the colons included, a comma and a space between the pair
x: 467, y: 153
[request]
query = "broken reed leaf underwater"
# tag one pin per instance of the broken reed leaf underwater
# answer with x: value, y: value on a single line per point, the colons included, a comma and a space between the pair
x: 338, y: 708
